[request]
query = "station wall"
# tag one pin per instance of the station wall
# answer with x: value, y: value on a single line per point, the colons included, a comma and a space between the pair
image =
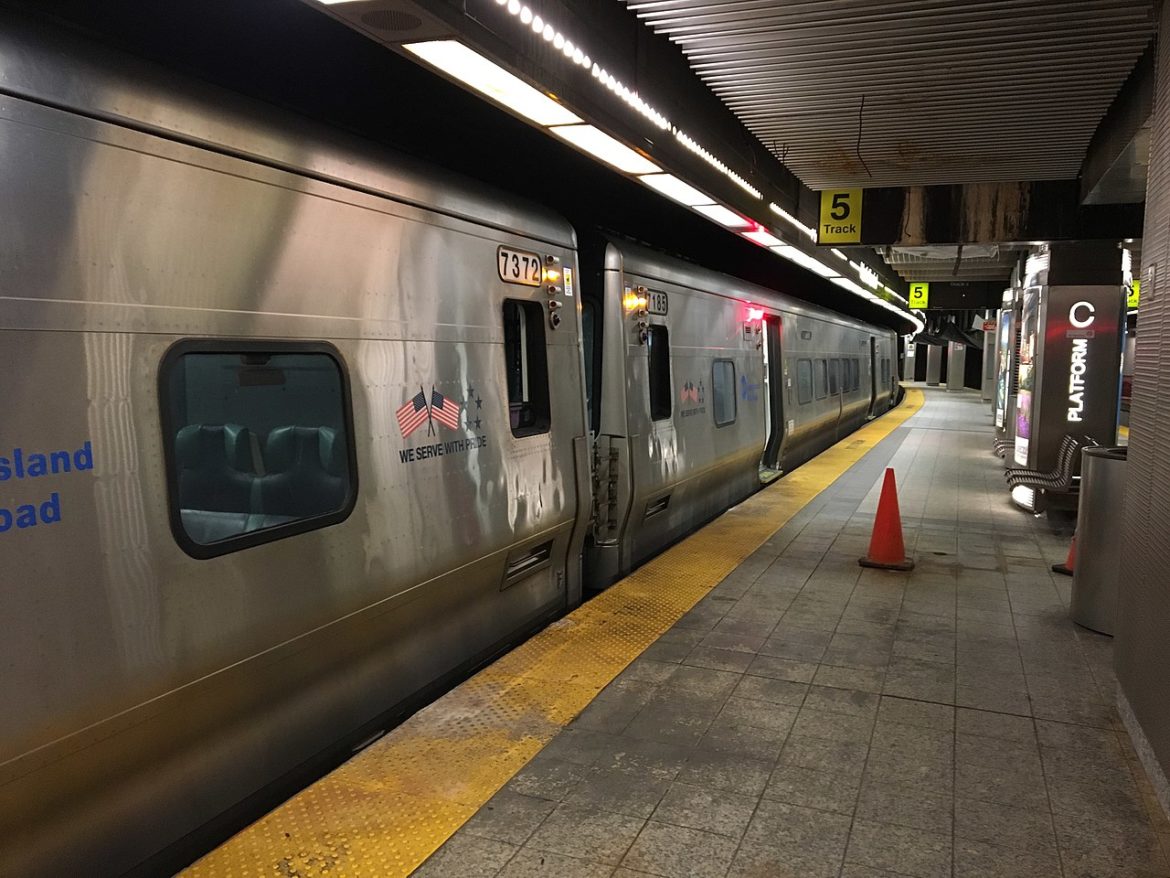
x: 1142, y: 642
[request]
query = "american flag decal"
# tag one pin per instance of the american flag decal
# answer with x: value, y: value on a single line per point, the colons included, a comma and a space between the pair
x: 413, y: 413
x: 444, y: 410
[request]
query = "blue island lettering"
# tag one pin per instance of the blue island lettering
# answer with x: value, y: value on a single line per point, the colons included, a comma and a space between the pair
x: 20, y: 464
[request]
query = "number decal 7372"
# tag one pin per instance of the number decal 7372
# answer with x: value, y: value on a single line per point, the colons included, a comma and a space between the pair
x: 519, y: 267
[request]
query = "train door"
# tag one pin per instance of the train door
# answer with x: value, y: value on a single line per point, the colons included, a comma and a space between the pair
x: 774, y: 396
x: 873, y: 375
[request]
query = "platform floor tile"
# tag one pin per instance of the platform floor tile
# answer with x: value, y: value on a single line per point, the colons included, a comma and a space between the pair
x: 813, y: 718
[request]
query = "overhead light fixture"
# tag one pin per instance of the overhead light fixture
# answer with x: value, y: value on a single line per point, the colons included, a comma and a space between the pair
x: 866, y: 274
x: 763, y: 237
x: 854, y: 287
x: 838, y: 253
x: 723, y: 216
x: 492, y: 81
x: 793, y: 254
x: 690, y: 143
x: 672, y: 187
x: 610, y: 150
x: 781, y: 212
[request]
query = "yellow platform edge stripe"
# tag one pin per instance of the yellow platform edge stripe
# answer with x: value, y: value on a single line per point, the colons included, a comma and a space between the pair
x: 382, y: 813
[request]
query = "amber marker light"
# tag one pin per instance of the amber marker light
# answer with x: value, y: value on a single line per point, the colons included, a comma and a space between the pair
x: 631, y: 301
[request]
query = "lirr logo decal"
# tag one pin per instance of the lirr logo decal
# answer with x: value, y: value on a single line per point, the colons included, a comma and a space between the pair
x: 748, y: 392
x: 438, y: 410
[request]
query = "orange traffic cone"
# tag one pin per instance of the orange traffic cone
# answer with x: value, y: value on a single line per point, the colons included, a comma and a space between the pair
x: 886, y: 549
x: 1070, y: 562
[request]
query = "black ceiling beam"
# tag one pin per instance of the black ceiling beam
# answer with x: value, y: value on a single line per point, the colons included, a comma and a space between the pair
x: 989, y: 213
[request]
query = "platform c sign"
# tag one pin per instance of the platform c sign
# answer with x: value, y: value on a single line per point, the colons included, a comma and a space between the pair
x: 1081, y: 322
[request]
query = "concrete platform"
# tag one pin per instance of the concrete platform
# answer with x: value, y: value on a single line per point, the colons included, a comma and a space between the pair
x: 810, y: 718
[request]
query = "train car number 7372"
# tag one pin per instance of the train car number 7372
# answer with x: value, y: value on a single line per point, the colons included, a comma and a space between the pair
x: 519, y: 267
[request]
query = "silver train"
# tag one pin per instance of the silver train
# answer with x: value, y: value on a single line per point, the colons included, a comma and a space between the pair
x: 294, y: 435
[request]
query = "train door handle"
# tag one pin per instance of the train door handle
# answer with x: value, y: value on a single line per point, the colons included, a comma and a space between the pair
x: 656, y: 506
x: 525, y: 562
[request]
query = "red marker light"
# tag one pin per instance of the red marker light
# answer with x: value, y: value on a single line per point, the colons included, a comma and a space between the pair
x: 755, y: 313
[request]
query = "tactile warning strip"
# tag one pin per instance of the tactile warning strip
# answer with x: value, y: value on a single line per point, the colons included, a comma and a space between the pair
x: 391, y: 806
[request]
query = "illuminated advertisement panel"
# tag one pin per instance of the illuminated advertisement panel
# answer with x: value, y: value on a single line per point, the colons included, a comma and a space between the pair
x: 1029, y: 341
x: 1003, y: 366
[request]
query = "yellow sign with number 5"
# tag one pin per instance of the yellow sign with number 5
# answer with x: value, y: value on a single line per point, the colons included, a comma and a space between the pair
x: 840, y: 217
x: 919, y: 295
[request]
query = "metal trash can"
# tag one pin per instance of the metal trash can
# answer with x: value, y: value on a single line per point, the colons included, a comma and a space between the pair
x: 1099, y: 535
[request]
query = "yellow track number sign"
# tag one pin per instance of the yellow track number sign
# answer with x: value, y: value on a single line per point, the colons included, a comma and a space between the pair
x: 840, y: 217
x: 1134, y: 296
x: 919, y: 295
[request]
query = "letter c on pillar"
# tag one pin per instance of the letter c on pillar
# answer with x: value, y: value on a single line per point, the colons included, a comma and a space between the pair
x: 1081, y: 322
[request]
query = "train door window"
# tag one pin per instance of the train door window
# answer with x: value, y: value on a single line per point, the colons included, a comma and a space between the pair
x: 257, y: 442
x: 658, y: 355
x: 854, y: 374
x: 820, y: 379
x: 589, y: 340
x: 804, y: 381
x: 723, y: 392
x: 885, y: 371
x: 526, y: 364
x: 834, y: 377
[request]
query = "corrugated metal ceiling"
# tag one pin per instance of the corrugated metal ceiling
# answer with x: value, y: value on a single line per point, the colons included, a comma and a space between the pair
x: 975, y: 263
x: 953, y: 91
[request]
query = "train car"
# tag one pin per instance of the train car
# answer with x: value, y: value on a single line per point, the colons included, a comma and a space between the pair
x: 292, y: 434
x: 703, y: 387
x: 298, y: 433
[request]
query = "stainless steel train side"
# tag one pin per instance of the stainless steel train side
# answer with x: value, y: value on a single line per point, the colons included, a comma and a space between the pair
x: 699, y: 398
x: 680, y: 425
x: 147, y: 691
x: 298, y: 433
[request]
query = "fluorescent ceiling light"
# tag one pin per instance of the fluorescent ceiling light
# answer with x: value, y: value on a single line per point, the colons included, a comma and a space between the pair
x: 336, y: 2
x: 763, y: 237
x: 802, y: 259
x: 854, y: 287
x: 866, y: 274
x: 672, y: 187
x: 722, y: 215
x: 491, y: 80
x: 838, y: 253
x: 611, y: 151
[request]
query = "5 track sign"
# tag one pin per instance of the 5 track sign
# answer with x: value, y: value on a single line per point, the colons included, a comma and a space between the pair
x: 840, y: 217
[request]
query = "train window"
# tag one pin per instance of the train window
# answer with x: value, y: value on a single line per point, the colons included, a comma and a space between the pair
x: 854, y: 374
x: 526, y: 362
x: 723, y: 392
x: 834, y: 377
x: 820, y: 378
x: 804, y: 382
x: 256, y: 441
x: 589, y: 339
x: 658, y: 354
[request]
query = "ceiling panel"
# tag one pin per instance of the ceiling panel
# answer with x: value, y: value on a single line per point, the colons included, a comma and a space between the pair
x: 884, y: 93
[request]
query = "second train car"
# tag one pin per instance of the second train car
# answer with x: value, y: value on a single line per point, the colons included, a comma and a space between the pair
x: 297, y: 433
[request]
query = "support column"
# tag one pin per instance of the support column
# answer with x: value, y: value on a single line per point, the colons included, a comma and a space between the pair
x: 990, y: 352
x: 933, y: 364
x: 956, y: 365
